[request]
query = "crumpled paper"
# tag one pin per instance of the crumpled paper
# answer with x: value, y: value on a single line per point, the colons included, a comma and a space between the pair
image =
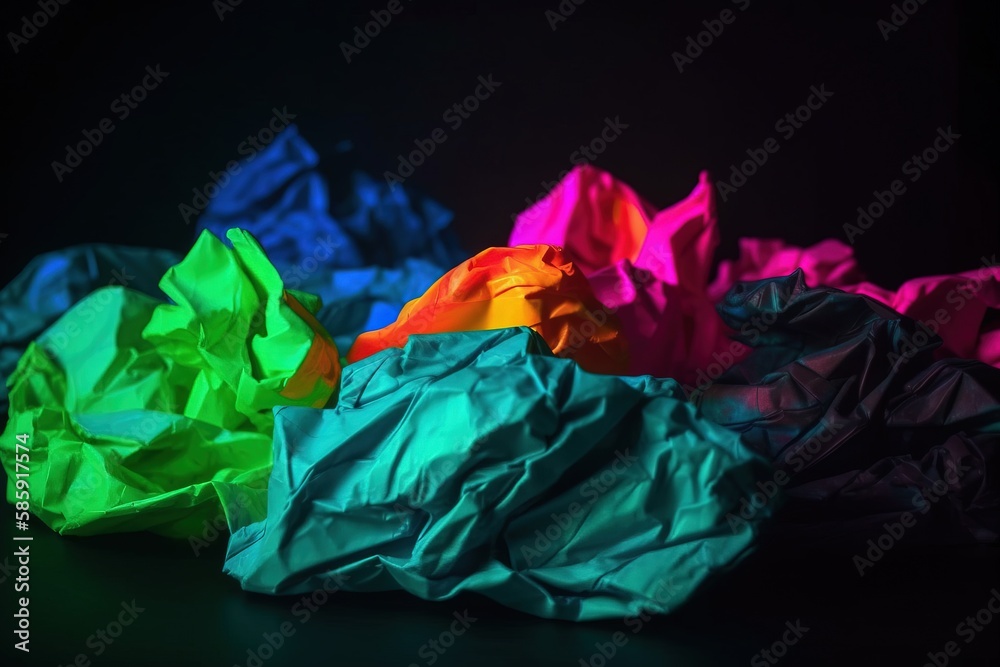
x: 54, y: 281
x: 533, y: 286
x: 844, y: 396
x: 480, y: 462
x: 652, y: 269
x: 139, y: 410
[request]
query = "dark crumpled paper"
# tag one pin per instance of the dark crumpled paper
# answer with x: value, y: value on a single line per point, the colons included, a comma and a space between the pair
x: 844, y: 395
x: 480, y: 462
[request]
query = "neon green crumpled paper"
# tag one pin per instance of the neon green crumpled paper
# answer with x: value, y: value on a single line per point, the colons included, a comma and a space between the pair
x: 138, y: 411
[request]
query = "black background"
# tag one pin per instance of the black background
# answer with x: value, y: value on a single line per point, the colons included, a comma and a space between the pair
x: 608, y: 59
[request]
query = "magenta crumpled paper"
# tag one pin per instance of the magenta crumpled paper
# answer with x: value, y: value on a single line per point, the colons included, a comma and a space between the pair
x: 652, y: 268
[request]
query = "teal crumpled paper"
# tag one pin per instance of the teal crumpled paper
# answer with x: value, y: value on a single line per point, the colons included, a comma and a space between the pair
x: 480, y: 462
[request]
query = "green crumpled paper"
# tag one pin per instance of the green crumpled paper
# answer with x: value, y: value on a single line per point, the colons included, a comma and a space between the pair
x: 140, y: 412
x: 480, y: 462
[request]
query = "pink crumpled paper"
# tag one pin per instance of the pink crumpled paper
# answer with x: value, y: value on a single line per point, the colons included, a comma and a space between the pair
x: 652, y: 269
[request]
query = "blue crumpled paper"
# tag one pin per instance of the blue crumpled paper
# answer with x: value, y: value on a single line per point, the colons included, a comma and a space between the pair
x: 364, y: 256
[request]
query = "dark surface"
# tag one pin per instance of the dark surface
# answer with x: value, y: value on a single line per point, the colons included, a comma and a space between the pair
x: 908, y: 603
x: 607, y: 59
